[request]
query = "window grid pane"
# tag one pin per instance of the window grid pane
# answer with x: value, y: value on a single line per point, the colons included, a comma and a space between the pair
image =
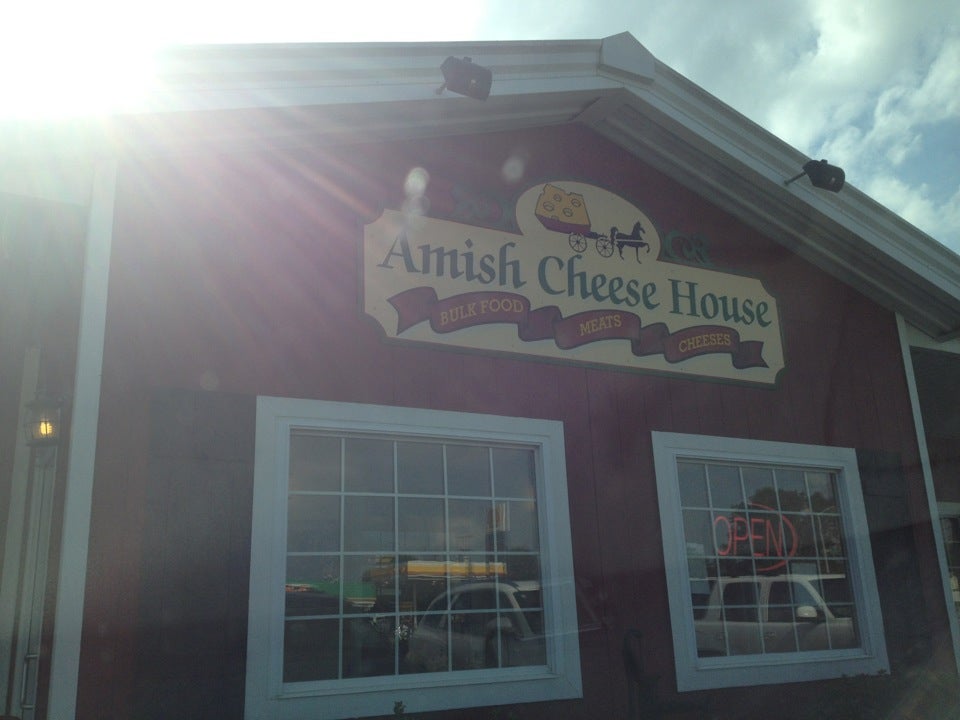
x: 765, y: 547
x: 370, y: 575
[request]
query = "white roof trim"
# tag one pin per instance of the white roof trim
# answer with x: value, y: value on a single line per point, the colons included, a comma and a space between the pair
x: 343, y: 93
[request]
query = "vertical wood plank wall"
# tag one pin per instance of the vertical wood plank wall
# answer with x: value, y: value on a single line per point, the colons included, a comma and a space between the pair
x: 236, y: 276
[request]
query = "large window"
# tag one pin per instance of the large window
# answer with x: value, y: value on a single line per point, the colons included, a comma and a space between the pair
x: 768, y: 562
x: 407, y: 555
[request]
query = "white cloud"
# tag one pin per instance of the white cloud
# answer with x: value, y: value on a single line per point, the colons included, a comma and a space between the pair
x: 913, y: 204
x: 862, y: 83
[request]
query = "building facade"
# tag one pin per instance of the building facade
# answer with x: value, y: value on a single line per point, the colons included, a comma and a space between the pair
x: 380, y: 400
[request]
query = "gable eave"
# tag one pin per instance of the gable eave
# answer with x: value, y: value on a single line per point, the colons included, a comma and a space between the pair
x: 225, y: 96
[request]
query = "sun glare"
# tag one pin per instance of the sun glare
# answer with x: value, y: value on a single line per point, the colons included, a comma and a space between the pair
x: 68, y: 79
x: 61, y: 58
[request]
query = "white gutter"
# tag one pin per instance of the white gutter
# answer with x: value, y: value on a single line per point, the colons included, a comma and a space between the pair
x: 78, y: 502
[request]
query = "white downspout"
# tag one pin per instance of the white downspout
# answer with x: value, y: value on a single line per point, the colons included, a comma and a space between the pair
x: 68, y: 621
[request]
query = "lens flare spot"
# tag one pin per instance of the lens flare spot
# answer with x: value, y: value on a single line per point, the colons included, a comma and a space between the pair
x: 209, y: 380
x: 514, y: 168
x: 415, y: 185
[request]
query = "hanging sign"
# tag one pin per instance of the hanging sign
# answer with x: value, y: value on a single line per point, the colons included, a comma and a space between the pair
x: 587, y: 280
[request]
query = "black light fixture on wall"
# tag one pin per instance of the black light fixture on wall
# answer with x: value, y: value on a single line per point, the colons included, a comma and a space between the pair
x: 822, y: 175
x: 464, y: 77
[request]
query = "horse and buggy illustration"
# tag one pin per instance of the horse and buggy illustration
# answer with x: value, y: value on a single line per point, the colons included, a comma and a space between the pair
x: 566, y: 212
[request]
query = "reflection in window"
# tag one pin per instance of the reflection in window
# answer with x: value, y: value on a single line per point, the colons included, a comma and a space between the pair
x: 405, y: 556
x: 766, y: 558
x: 402, y: 553
x: 768, y: 563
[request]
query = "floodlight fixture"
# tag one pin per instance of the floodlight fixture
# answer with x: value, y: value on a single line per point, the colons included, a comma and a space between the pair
x: 464, y: 77
x: 822, y: 175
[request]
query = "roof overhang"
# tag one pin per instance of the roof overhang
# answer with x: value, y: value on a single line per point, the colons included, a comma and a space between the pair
x: 347, y: 93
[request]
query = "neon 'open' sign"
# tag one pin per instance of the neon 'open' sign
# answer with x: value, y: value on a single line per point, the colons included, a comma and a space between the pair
x: 769, y: 537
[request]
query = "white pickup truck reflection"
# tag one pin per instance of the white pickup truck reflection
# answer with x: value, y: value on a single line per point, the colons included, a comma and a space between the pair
x: 480, y: 625
x: 777, y: 614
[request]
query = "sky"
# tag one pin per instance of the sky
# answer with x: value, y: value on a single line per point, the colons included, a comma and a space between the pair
x: 870, y: 85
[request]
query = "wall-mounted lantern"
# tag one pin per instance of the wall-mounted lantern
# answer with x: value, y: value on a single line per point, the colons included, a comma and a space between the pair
x: 42, y: 423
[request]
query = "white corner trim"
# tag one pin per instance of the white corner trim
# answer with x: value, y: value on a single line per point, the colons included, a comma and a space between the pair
x: 83, y: 444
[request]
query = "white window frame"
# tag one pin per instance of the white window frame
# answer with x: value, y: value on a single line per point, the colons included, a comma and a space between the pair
x: 701, y: 673
x: 266, y: 695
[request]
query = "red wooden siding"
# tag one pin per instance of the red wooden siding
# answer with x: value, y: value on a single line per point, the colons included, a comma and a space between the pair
x: 239, y: 275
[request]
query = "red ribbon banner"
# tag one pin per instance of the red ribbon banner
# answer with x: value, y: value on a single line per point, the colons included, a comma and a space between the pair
x: 547, y: 323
